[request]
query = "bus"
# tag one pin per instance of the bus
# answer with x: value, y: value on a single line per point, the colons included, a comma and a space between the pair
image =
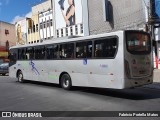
x: 116, y: 60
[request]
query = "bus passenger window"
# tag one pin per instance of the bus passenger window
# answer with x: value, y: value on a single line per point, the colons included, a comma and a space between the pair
x: 84, y: 49
x: 40, y: 52
x: 98, y: 51
x: 105, y: 48
x: 52, y: 52
x: 21, y: 54
x: 67, y: 51
x: 30, y: 53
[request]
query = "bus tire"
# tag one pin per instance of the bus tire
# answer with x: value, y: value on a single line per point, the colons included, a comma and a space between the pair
x: 20, y: 77
x: 66, y: 82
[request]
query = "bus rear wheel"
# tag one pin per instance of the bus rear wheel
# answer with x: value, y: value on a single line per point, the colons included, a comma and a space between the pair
x: 66, y: 82
x: 20, y: 77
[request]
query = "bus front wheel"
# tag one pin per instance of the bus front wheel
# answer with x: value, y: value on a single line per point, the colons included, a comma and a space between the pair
x: 66, y: 82
x: 20, y: 77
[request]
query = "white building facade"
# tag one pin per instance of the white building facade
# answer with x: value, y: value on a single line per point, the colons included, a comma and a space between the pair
x: 46, y: 25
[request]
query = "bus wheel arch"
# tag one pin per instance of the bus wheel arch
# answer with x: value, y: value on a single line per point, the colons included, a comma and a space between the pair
x: 65, y: 81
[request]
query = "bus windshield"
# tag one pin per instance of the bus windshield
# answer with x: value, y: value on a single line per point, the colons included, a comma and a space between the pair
x: 138, y: 42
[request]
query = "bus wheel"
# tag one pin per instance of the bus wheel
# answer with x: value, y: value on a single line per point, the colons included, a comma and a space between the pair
x: 20, y: 77
x: 66, y: 82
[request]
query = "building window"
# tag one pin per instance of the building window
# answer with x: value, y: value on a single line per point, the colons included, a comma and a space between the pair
x: 47, y: 23
x: 66, y: 31
x: 41, y: 26
x: 44, y: 24
x: 57, y: 33
x: 81, y: 28
x: 37, y: 41
x: 7, y: 45
x: 71, y: 30
x: 6, y: 32
x: 36, y: 27
x: 61, y: 32
x: 51, y: 22
x: 76, y: 28
x: 34, y: 41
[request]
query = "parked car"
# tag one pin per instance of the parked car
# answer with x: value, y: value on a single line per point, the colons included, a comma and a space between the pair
x: 4, y: 68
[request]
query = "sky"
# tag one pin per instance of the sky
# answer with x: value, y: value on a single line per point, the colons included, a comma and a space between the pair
x: 13, y: 10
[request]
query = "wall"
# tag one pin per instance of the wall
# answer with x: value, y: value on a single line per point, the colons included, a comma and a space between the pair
x: 127, y: 14
x: 33, y: 34
x: 41, y: 7
x: 11, y: 36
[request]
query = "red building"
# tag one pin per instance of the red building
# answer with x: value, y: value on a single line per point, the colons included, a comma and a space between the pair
x: 7, y: 39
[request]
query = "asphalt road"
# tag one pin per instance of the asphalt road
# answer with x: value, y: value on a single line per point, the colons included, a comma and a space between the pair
x: 34, y: 96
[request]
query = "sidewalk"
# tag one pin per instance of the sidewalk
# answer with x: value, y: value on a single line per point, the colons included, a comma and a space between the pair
x: 156, y: 75
x: 156, y: 80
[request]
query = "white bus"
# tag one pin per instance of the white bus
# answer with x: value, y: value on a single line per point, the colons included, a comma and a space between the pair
x: 117, y: 60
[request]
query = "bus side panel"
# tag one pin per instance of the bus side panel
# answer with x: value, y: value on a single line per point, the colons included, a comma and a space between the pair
x: 12, y: 71
x: 48, y: 70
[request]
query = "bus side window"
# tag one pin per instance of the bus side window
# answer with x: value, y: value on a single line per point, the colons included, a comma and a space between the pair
x: 40, y: 52
x: 30, y: 53
x: 84, y: 49
x: 67, y: 51
x: 21, y: 54
x: 52, y: 52
x: 13, y: 55
x: 55, y: 51
x: 105, y: 48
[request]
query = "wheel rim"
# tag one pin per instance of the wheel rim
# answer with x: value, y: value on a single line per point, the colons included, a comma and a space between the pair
x: 66, y: 83
x: 20, y: 77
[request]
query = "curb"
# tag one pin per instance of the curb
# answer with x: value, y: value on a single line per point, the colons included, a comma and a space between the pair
x: 155, y: 85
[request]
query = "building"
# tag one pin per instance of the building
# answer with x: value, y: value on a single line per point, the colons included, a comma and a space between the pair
x: 46, y: 24
x: 112, y: 15
x: 7, y: 39
x: 21, y: 28
x: 34, y: 32
x: 51, y: 18
x: 99, y: 16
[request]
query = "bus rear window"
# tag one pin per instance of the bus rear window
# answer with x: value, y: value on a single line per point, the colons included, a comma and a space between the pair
x: 138, y: 42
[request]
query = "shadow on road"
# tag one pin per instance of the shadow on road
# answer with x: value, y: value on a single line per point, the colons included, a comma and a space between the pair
x: 139, y: 93
x: 132, y: 94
